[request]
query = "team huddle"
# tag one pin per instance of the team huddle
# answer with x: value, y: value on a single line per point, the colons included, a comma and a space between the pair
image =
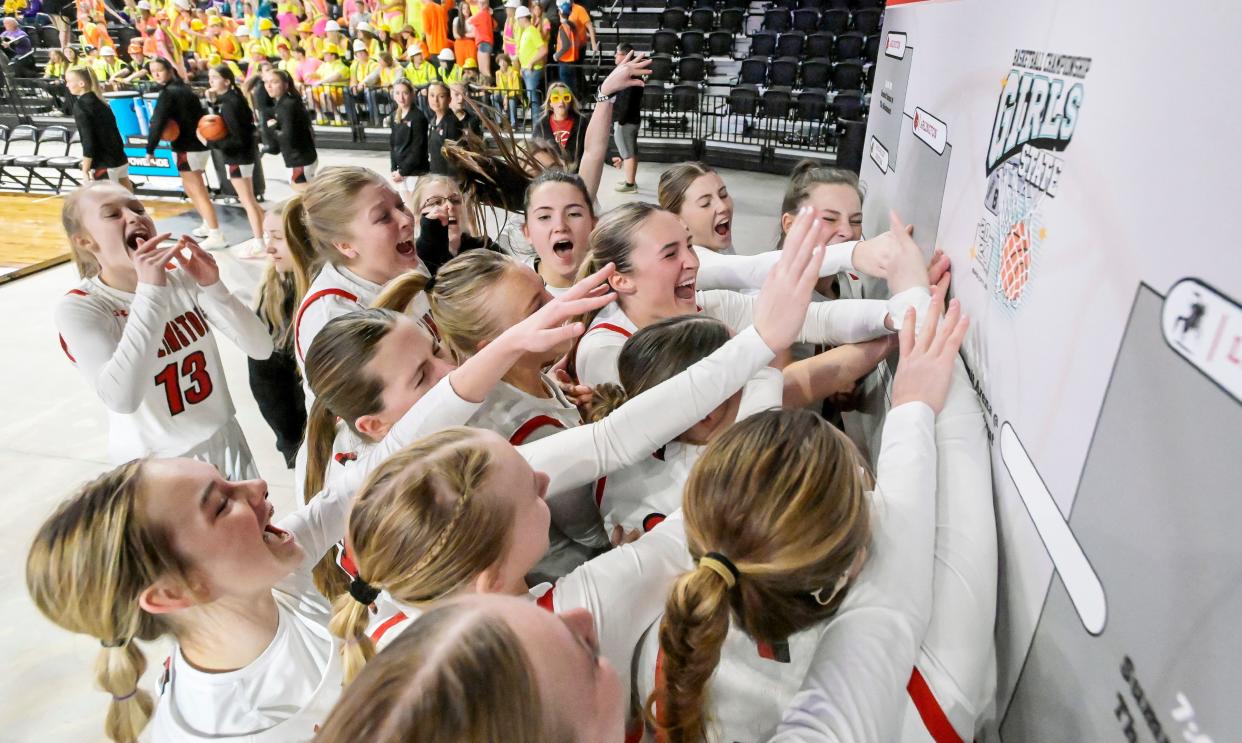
x: 588, y: 492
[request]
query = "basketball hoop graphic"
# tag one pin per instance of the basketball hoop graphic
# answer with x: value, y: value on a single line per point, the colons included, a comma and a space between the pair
x: 1015, y: 266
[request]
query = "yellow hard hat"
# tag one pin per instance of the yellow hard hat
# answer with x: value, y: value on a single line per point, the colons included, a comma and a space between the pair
x: 304, y: 27
x: 197, y: 25
x: 471, y: 64
x: 265, y: 24
x: 215, y: 20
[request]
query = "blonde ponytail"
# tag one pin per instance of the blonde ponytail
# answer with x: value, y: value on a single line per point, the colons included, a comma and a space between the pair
x: 460, y: 303
x: 692, y: 632
x: 88, y: 565
x: 349, y: 622
x: 399, y: 293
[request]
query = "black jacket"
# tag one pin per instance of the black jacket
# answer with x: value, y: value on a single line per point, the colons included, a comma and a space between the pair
x: 293, y: 131
x: 177, y: 103
x: 448, y: 128
x: 277, y: 388
x: 238, y: 147
x: 101, y: 140
x: 433, y: 245
x: 408, y: 143
x: 577, y: 134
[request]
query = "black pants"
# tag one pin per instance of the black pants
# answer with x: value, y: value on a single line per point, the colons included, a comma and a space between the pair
x: 25, y: 67
x: 277, y: 388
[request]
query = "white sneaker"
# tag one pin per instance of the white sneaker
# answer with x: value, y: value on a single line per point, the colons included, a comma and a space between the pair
x: 201, y: 231
x: 252, y: 250
x: 215, y: 240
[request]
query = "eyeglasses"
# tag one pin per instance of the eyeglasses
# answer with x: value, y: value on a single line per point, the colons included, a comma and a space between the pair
x: 560, y: 98
x: 438, y: 201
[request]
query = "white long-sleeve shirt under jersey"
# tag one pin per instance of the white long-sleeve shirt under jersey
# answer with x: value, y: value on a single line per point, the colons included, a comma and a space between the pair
x: 853, y: 668
x: 151, y: 357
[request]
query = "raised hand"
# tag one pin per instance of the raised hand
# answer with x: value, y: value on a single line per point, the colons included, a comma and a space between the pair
x: 926, y: 366
x: 151, y: 261
x: 628, y: 74
x: 199, y: 264
x: 780, y: 308
x: 549, y: 326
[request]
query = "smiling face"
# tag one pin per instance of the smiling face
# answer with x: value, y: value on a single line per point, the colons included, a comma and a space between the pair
x: 708, y: 212
x: 558, y: 225
x: 381, y: 244
x: 839, y: 206
x: 221, y: 529
x: 114, y: 223
x: 408, y: 363
x: 663, y: 269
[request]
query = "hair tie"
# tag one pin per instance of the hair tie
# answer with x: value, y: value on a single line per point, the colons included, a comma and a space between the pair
x: 722, y: 566
x: 115, y: 698
x: 115, y: 643
x: 363, y: 592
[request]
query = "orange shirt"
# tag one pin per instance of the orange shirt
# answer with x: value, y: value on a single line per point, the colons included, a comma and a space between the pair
x: 579, y: 16
x: 464, y: 49
x: 435, y: 26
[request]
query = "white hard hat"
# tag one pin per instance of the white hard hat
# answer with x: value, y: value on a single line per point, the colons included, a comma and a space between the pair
x: 107, y: 51
x: 447, y: 55
x: 144, y: 5
x: 513, y: 3
x: 332, y: 26
x: 242, y: 31
x: 359, y: 46
x: 364, y: 26
x: 523, y: 12
x: 182, y: 4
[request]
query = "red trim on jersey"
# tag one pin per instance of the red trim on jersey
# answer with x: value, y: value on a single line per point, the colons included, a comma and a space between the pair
x: 571, y: 365
x: 342, y: 457
x: 388, y: 624
x: 76, y: 293
x: 297, y: 323
x: 600, y: 484
x: 65, y: 347
x: 659, y: 693
x: 345, y: 560
x: 652, y: 520
x: 934, y: 718
x: 431, y: 325
x: 545, y: 601
x: 532, y: 425
x: 634, y: 731
x: 613, y: 328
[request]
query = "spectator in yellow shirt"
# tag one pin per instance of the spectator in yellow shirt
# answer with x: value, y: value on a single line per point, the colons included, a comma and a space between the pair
x: 508, y: 90
x: 329, y: 82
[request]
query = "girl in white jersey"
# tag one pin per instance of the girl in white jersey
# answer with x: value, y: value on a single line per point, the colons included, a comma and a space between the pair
x: 537, y: 676
x: 466, y: 511
x: 735, y: 644
x: 142, y: 335
x: 169, y: 547
x: 656, y: 277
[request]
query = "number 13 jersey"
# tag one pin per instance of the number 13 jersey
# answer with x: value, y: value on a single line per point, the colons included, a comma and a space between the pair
x: 151, y: 357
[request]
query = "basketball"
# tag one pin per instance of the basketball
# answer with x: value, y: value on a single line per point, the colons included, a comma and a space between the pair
x: 171, y: 131
x: 211, y: 128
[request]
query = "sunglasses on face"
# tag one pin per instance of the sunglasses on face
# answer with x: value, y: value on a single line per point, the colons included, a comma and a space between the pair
x: 560, y: 98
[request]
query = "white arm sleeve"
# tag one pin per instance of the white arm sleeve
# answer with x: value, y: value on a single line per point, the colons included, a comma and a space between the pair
x: 739, y: 272
x: 596, y: 358
x: 573, y: 510
x: 836, y: 322
x: 236, y: 321
x: 765, y: 391
x: 435, y: 411
x: 625, y: 588
x: 119, y: 368
x: 855, y: 689
x: 650, y: 420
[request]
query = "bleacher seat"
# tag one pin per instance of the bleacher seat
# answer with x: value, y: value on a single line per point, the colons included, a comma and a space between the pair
x: 818, y: 45
x: 806, y: 20
x: 693, y: 42
x: 834, y: 21
x: 783, y: 72
x: 720, y: 44
x: 707, y: 4
x: 847, y: 75
x: 816, y: 73
x: 8, y: 160
x: 683, y: 4
x: 812, y: 104
x: 872, y: 47
x: 763, y: 44
x: 744, y: 100
x: 790, y: 44
x: 52, y: 141
x: 664, y: 42
x: 673, y: 19
x: 48, y: 37
x: 776, y: 19
x: 866, y: 21
x: 661, y: 67
x: 653, y: 96
x: 742, y: 5
x: 847, y: 105
x: 692, y: 68
x: 813, y: 4
x: 732, y: 20
x: 786, y: 4
x: 703, y: 19
x: 776, y: 103
x: 686, y: 97
x: 67, y: 165
x: 754, y: 71
x: 849, y: 46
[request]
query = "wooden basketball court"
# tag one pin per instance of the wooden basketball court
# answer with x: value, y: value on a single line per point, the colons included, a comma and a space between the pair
x: 32, y: 238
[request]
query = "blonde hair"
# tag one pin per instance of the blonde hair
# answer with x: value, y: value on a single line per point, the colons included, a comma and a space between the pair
x: 415, y: 689
x: 465, y: 214
x: 92, y: 81
x: 422, y: 526
x: 560, y: 88
x: 781, y: 496
x: 612, y: 241
x: 460, y: 302
x: 278, y: 294
x: 326, y: 208
x: 399, y: 293
x: 676, y: 181
x: 89, y: 563
x: 71, y: 219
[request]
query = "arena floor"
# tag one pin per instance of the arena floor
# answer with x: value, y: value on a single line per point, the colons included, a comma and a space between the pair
x: 53, y: 436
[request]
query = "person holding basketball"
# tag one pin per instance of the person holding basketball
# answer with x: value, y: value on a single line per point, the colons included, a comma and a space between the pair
x: 178, y: 105
x: 238, y: 146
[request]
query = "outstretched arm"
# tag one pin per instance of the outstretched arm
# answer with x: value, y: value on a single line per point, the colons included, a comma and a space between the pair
x: 628, y: 74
